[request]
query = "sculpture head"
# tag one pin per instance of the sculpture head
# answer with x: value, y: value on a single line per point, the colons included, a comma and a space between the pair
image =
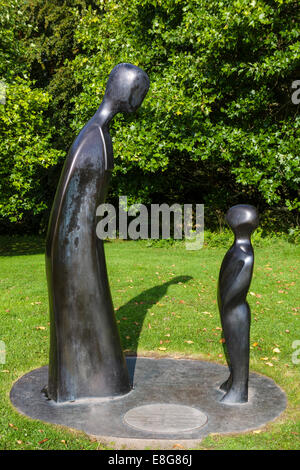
x: 243, y: 219
x: 126, y: 88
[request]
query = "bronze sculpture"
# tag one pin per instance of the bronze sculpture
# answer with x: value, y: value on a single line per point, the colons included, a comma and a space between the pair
x: 86, y: 358
x: 234, y: 282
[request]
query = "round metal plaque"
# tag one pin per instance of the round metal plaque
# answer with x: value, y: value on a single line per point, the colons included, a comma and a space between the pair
x: 165, y: 418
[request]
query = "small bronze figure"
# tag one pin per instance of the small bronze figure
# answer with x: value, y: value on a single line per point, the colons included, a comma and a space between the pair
x: 234, y: 282
x: 86, y: 358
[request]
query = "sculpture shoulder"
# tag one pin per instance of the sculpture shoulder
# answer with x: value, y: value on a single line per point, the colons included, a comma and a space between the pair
x: 239, y: 253
x: 89, y: 149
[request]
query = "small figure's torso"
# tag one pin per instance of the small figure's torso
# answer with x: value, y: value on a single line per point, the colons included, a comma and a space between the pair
x: 235, y: 275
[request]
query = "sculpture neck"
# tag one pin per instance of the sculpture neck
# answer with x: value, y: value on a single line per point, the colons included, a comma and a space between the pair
x: 242, y: 239
x: 105, y: 113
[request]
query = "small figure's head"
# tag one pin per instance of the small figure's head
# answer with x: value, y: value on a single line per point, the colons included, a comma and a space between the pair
x: 243, y: 219
x: 126, y: 88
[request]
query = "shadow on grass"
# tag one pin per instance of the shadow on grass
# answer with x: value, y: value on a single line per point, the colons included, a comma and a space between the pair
x: 21, y: 245
x: 132, y: 314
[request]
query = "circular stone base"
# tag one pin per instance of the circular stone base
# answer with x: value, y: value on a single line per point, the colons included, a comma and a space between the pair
x: 174, y: 400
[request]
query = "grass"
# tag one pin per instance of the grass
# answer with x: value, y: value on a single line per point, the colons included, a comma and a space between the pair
x: 165, y: 302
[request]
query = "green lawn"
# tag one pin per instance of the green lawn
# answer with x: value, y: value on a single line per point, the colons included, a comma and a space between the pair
x: 165, y: 302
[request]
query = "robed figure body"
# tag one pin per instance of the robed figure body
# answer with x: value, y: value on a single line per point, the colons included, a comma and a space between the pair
x: 86, y: 358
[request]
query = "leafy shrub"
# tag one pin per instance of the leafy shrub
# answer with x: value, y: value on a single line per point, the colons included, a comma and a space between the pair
x: 217, y: 127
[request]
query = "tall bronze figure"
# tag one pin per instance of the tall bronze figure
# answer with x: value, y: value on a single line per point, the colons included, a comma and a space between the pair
x: 234, y: 282
x: 86, y: 358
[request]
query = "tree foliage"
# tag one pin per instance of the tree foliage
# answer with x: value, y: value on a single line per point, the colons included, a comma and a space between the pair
x: 26, y: 153
x: 12, y: 28
x: 218, y: 125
